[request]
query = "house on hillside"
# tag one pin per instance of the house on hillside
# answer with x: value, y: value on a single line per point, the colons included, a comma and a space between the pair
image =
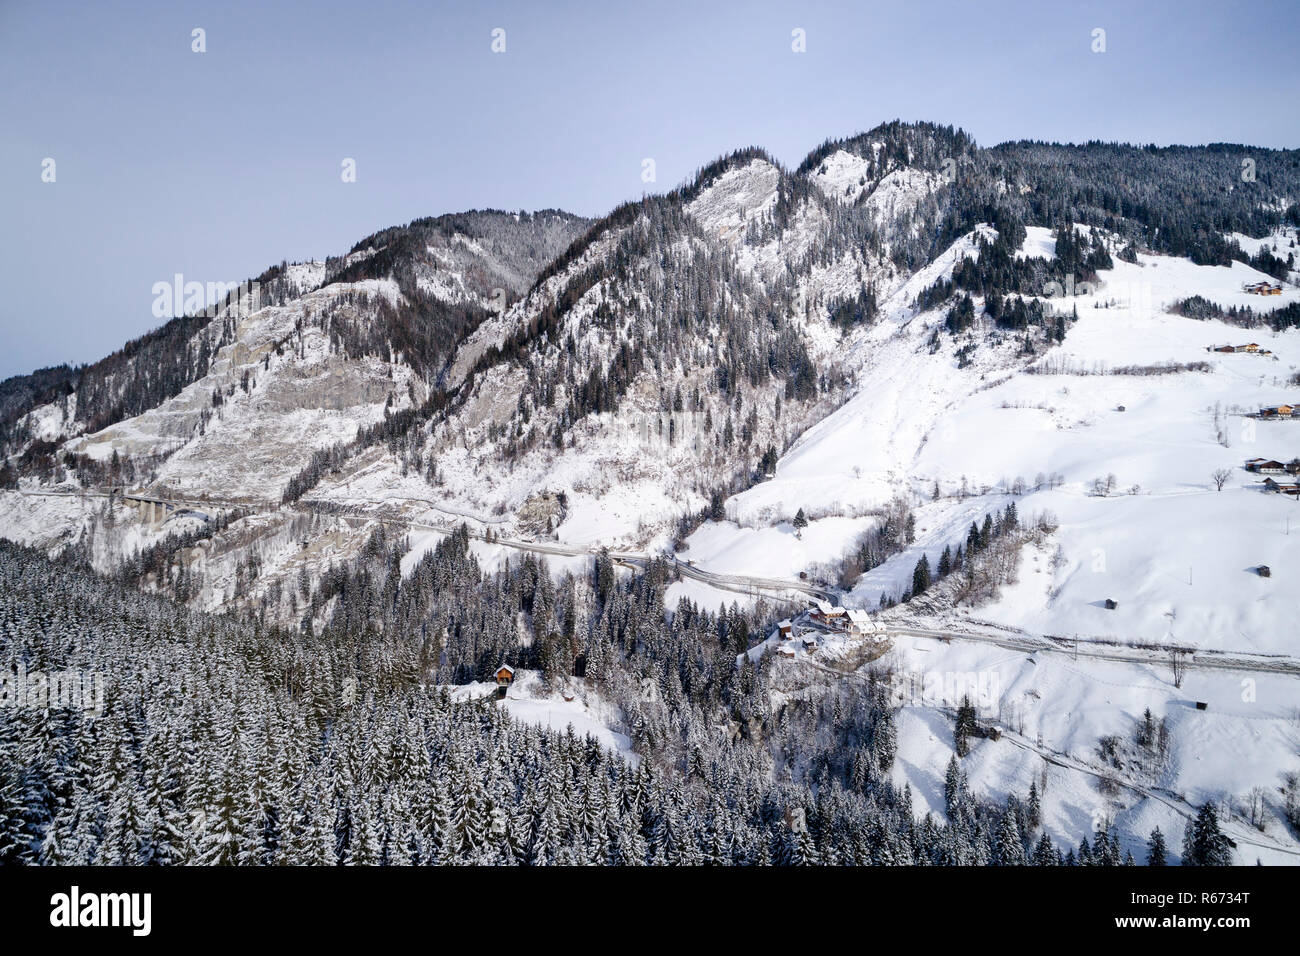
x: 826, y: 613
x: 860, y: 623
x: 504, y: 674
x: 1271, y: 468
x: 785, y: 628
x: 1253, y: 464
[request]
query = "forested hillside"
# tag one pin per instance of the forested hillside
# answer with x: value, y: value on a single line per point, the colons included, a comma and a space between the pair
x: 227, y: 743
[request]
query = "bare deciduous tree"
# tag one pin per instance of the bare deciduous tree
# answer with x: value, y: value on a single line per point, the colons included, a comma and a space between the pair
x: 1220, y: 477
x: 1179, y: 663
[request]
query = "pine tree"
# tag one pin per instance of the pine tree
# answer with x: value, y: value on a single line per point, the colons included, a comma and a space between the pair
x: 953, y: 787
x: 921, y: 576
x: 1204, y: 844
x: 1010, y: 850
x: 1156, y: 852
x: 1033, y: 807
x: 1044, y: 853
x: 966, y: 725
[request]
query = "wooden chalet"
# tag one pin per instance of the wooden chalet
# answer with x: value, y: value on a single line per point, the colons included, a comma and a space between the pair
x: 504, y: 674
x: 1278, y: 487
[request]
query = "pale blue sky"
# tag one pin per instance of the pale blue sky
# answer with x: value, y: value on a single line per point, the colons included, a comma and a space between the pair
x: 216, y: 165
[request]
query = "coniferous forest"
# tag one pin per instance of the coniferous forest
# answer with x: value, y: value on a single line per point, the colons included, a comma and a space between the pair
x: 224, y: 741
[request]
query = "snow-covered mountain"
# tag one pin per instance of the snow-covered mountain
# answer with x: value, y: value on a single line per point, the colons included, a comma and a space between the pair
x: 761, y: 372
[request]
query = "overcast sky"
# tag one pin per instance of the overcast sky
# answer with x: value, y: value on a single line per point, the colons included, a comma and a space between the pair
x: 218, y: 164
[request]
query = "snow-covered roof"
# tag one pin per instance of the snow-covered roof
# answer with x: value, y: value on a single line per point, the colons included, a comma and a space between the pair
x: 824, y: 606
x: 504, y: 667
x: 785, y: 623
x: 858, y: 616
